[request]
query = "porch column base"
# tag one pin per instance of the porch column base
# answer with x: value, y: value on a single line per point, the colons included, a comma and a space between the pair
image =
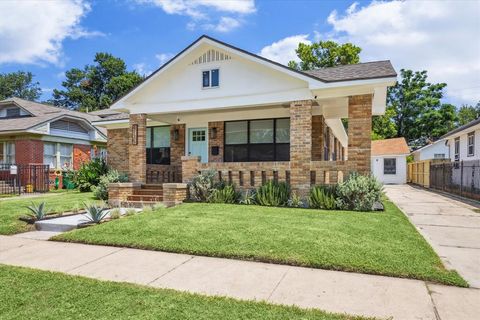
x: 174, y: 194
x: 189, y: 168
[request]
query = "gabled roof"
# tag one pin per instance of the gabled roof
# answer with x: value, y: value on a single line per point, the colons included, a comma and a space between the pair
x: 109, y: 114
x: 395, y: 146
x: 41, y: 113
x: 362, y: 71
x: 459, y: 129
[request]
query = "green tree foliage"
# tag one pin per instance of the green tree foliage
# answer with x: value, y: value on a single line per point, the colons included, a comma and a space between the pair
x: 96, y: 86
x: 468, y: 113
x: 324, y: 54
x: 414, y: 109
x: 19, y: 84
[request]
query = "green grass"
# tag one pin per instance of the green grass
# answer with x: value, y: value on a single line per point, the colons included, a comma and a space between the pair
x: 382, y: 243
x: 33, y: 294
x: 13, y: 208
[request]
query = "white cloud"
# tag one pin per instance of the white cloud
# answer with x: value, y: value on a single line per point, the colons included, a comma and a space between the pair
x: 283, y: 50
x: 201, y: 12
x: 163, y: 57
x: 441, y: 37
x: 33, y: 31
x: 142, y: 69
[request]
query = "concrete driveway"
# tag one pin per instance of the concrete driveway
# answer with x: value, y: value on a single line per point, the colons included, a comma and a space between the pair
x: 452, y: 227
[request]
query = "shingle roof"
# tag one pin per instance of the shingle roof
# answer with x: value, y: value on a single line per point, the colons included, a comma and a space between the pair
x: 109, y: 114
x: 390, y: 147
x: 464, y: 127
x: 359, y: 71
x: 41, y: 113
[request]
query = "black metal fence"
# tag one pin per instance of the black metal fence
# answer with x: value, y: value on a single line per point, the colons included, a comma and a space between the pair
x: 460, y: 177
x: 18, y: 179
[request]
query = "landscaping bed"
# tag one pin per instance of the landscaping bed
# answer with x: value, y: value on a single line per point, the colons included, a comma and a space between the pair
x: 57, y: 204
x: 33, y: 294
x: 382, y: 243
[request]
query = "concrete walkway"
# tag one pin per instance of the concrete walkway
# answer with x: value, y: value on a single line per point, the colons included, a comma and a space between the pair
x: 450, y: 226
x: 333, y: 291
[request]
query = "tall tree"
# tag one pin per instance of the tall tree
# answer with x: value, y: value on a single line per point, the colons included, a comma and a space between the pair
x: 468, y: 113
x: 324, y: 54
x: 96, y: 86
x: 414, y: 108
x: 19, y: 84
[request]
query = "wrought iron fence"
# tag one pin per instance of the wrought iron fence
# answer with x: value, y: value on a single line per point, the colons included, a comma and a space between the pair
x: 459, y: 177
x: 18, y: 179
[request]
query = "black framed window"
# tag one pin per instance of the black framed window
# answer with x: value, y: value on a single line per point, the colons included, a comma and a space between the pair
x: 389, y: 166
x: 158, y: 145
x: 257, y: 140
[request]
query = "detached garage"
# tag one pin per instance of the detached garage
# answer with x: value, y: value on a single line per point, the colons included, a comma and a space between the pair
x: 389, y: 160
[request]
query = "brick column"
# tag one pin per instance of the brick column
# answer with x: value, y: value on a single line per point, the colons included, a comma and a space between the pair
x: 137, y: 157
x: 189, y: 168
x: 318, y: 125
x: 359, y: 133
x: 177, y: 147
x: 300, y: 145
x: 215, y: 139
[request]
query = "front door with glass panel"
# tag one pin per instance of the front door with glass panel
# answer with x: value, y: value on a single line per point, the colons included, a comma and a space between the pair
x: 197, y: 143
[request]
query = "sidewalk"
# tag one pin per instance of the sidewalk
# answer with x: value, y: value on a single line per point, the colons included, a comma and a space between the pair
x: 450, y: 226
x: 333, y: 291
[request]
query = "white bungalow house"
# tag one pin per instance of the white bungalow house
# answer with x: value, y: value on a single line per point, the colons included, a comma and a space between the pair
x: 464, y: 142
x: 433, y: 151
x: 249, y: 118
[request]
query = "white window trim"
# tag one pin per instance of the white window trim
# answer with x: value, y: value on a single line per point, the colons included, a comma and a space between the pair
x: 456, y: 151
x: 58, y: 155
x: 210, y: 78
x: 472, y: 135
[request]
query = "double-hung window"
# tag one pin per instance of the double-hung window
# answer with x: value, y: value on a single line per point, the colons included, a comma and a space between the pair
x: 457, y: 149
x: 257, y: 140
x: 66, y: 151
x: 471, y: 144
x: 58, y: 155
x: 211, y: 78
x: 389, y: 166
x: 9, y: 152
x: 158, y: 145
x: 50, y: 154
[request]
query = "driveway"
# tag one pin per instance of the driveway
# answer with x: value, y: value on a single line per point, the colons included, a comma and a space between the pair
x: 452, y: 227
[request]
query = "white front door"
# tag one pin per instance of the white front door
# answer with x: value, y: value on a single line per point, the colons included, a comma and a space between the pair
x: 198, y: 143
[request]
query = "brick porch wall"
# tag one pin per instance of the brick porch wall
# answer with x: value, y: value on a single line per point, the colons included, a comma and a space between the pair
x: 29, y: 151
x: 359, y: 132
x: 117, y: 149
x: 217, y: 141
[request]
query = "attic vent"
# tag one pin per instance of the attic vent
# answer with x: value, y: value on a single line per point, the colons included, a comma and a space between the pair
x: 66, y: 125
x: 210, y: 56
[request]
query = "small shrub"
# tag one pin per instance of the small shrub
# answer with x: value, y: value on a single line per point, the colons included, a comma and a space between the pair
x: 224, y: 194
x: 95, y: 213
x: 322, y: 197
x: 130, y: 212
x: 89, y: 174
x: 296, y: 201
x: 115, y: 213
x: 38, y: 212
x: 101, y: 190
x: 273, y: 194
x: 359, y: 192
x: 248, y: 197
x: 158, y: 206
x: 202, y: 186
x: 147, y: 208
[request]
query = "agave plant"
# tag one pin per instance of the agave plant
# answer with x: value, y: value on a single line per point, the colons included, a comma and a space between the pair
x: 38, y: 211
x: 95, y: 213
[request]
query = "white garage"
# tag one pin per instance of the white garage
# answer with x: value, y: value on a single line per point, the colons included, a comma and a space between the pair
x: 389, y: 160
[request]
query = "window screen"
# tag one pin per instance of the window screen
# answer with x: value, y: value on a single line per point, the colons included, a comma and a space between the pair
x: 390, y: 166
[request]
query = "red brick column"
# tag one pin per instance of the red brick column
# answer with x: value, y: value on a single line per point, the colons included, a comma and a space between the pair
x: 81, y: 154
x: 29, y: 151
x: 137, y: 157
x: 215, y: 139
x: 300, y: 145
x: 359, y: 132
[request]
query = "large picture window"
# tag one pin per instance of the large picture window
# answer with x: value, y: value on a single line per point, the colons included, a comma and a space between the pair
x: 257, y: 140
x: 158, y: 145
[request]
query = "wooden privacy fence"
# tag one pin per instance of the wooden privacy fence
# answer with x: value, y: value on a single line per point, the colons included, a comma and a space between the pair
x: 419, y: 173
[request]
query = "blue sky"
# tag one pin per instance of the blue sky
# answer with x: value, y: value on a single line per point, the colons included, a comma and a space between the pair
x: 48, y: 38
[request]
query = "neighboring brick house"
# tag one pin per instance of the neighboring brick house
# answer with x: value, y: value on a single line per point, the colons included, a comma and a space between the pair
x: 35, y: 133
x: 250, y: 119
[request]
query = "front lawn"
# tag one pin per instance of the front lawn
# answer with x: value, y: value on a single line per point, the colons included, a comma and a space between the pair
x: 13, y: 208
x: 33, y: 294
x: 369, y: 242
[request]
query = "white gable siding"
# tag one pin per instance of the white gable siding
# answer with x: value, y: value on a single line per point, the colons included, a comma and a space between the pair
x: 429, y: 152
x: 463, y: 145
x: 241, y: 83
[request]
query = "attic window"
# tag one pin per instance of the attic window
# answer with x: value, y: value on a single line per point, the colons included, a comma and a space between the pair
x: 13, y: 112
x: 66, y: 125
x: 211, y: 78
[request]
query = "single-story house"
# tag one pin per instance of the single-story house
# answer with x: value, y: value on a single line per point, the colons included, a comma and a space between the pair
x: 464, y: 142
x: 216, y: 106
x: 437, y: 150
x: 36, y: 133
x: 389, y: 160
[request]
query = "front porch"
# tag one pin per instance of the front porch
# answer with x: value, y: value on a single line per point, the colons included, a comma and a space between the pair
x: 317, y: 153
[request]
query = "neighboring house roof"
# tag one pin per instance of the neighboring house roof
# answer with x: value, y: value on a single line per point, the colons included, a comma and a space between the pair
x: 395, y: 146
x: 109, y: 114
x: 459, y: 129
x: 361, y: 71
x: 40, y: 114
x: 429, y: 145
